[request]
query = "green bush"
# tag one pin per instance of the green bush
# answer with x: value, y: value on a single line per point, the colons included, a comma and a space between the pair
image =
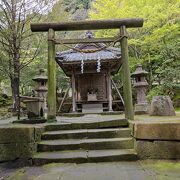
x: 5, y: 101
x: 156, y: 91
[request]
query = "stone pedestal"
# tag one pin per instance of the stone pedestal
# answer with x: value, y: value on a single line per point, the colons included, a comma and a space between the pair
x: 92, y: 108
x: 142, y: 108
x: 162, y: 106
x: 35, y: 107
x: 92, y: 97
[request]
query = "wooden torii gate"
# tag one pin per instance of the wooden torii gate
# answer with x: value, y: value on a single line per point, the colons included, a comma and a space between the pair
x: 121, y: 24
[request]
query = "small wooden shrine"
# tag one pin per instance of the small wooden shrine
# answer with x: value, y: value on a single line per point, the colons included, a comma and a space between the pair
x: 90, y: 67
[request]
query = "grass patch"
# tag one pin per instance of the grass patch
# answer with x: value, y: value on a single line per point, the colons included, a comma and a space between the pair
x: 177, y: 109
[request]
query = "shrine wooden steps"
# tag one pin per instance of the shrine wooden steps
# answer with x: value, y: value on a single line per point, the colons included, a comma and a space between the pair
x: 86, y: 142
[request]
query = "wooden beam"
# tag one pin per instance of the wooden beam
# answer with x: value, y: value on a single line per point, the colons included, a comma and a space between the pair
x: 73, y: 92
x: 51, y: 100
x: 127, y: 91
x: 113, y: 83
x: 85, y: 41
x: 88, y: 25
x: 62, y: 101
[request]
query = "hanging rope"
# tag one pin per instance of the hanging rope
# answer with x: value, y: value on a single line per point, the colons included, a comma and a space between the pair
x: 92, y: 50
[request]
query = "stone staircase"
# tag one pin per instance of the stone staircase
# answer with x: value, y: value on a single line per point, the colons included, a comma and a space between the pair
x: 81, y: 142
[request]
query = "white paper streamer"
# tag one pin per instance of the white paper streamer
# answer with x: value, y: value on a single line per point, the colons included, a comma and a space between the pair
x: 98, y: 64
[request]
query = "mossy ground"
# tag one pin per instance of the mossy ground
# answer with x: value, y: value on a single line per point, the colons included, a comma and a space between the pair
x: 162, y: 164
x: 162, y: 169
x: 17, y: 175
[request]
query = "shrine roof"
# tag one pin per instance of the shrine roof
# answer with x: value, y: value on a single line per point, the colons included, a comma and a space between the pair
x: 97, y: 51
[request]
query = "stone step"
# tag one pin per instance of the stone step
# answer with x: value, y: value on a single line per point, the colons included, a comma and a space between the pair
x: 82, y: 156
x: 87, y: 144
x: 87, y: 133
x: 87, y: 125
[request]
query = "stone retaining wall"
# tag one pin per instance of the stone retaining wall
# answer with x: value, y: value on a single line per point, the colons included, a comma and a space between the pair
x: 18, y: 142
x: 157, y: 140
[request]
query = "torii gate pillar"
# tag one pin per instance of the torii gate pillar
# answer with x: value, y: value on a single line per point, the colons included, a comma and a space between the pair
x: 51, y: 100
x: 126, y: 77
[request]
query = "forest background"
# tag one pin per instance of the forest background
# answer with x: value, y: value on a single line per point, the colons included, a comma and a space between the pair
x: 156, y: 46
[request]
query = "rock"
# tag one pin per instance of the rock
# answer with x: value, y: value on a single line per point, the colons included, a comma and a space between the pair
x: 162, y: 106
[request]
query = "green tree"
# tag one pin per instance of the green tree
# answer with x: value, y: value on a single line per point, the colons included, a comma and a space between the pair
x: 57, y: 14
x: 15, y: 38
x: 156, y: 45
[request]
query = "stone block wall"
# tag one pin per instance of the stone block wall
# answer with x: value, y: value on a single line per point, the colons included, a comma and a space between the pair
x: 18, y: 142
x: 157, y: 140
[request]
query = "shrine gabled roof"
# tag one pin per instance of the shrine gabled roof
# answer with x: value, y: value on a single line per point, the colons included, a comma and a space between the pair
x: 99, y: 51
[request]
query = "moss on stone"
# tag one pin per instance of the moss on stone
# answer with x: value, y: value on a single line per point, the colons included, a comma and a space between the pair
x: 15, y: 134
x: 19, y: 141
x: 17, y: 175
x: 38, y: 133
x: 51, y: 119
x: 16, y: 150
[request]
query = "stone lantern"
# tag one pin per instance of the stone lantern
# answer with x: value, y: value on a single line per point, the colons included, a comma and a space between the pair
x: 41, y: 84
x: 37, y: 106
x: 140, y: 84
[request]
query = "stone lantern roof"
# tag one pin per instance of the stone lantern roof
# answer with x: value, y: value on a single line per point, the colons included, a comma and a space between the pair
x: 139, y: 71
x: 42, y: 77
x: 139, y: 76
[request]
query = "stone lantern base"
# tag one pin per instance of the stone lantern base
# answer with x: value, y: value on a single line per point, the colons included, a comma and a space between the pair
x: 35, y: 107
x: 142, y: 108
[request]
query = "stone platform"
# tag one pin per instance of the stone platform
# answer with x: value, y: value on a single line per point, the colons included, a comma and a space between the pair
x: 157, y: 137
x: 154, y: 137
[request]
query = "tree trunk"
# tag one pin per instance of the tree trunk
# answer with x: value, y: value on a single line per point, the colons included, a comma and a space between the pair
x: 15, y: 92
x: 15, y: 82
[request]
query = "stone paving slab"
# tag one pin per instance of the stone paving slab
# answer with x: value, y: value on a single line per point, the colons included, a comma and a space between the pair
x: 138, y: 170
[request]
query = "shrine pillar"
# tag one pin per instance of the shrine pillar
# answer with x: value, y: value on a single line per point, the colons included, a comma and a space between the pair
x: 109, y: 91
x: 73, y: 92
x: 126, y: 77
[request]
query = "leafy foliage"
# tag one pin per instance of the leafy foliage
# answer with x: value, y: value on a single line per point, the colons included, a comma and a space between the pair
x: 156, y: 45
x: 76, y: 4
